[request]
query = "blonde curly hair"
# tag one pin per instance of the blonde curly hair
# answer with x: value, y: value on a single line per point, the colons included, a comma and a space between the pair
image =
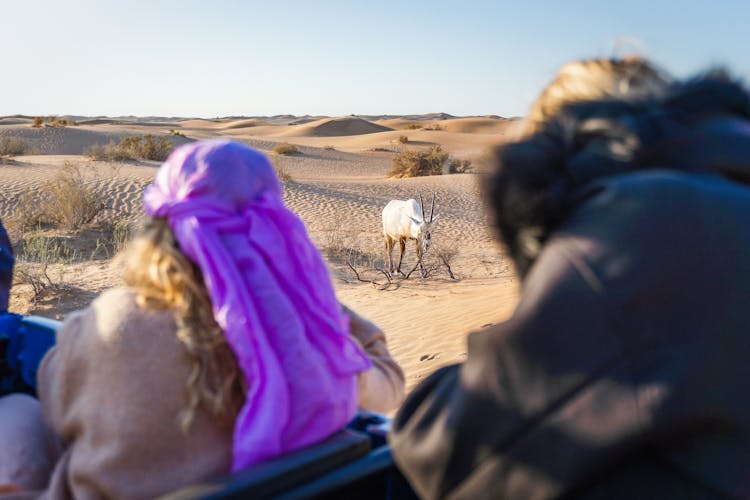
x: 163, y: 278
x: 629, y: 78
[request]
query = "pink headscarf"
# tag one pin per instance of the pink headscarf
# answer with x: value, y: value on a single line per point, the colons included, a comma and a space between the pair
x: 270, y: 291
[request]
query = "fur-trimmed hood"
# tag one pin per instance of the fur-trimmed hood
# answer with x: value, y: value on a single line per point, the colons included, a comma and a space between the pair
x: 698, y: 126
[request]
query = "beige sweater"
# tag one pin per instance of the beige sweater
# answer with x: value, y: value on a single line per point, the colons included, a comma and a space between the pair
x: 112, y: 389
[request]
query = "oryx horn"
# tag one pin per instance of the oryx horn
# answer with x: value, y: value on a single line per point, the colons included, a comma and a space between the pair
x: 421, y: 204
x: 432, y: 207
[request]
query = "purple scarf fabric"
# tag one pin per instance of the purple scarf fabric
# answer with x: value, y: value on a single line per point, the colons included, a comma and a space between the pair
x: 270, y: 291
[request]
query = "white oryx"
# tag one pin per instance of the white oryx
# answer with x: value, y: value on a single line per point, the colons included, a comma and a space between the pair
x: 403, y: 220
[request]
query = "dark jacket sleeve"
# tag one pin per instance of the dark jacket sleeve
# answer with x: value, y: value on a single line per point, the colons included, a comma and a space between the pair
x: 535, y: 406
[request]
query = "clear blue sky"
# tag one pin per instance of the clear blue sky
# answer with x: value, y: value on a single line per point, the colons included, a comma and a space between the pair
x: 233, y: 57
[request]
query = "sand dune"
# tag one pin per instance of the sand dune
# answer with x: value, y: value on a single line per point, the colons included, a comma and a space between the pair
x: 476, y: 125
x: 245, y: 124
x: 333, y: 127
x: 201, y: 123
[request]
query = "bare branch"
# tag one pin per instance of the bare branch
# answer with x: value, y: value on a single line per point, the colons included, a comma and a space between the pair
x: 447, y: 265
x: 406, y: 276
x: 381, y: 286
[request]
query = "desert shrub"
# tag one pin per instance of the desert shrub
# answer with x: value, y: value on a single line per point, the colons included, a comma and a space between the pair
x: 176, y: 133
x: 27, y: 212
x: 435, y: 161
x: 284, y: 148
x: 433, y: 126
x: 459, y: 166
x: 108, y: 152
x: 403, y: 139
x: 67, y: 200
x: 146, y: 147
x: 11, y: 146
x: 413, y: 126
x: 62, y: 122
x: 35, y: 252
x: 328, y: 147
x: 38, y: 121
x: 281, y: 171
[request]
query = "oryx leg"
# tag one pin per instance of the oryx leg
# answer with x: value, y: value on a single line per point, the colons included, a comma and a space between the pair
x: 388, y: 251
x: 401, y: 248
x: 419, y: 257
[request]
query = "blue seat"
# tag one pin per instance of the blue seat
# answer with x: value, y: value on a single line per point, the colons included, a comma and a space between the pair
x: 24, y: 340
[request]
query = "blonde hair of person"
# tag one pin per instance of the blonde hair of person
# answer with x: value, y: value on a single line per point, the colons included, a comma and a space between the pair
x: 163, y: 278
x: 629, y: 78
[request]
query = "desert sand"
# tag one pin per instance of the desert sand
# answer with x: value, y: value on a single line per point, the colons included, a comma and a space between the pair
x: 339, y: 185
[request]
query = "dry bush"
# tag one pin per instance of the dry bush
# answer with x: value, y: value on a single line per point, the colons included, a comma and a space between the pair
x: 66, y: 201
x: 35, y: 253
x: 403, y: 139
x: 62, y: 122
x: 433, y: 126
x: 446, y: 256
x: 38, y: 122
x: 460, y: 166
x: 12, y: 146
x: 27, y: 212
x: 108, y: 152
x: 284, y: 148
x: 281, y: 171
x: 34, y: 275
x: 145, y: 147
x: 176, y: 133
x: 409, y: 163
x: 328, y: 147
x: 413, y: 126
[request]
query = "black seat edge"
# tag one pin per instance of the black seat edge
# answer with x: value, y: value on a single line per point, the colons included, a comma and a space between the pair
x: 275, y: 476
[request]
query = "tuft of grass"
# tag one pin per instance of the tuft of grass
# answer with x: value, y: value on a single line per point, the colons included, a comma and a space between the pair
x: 115, y: 235
x: 284, y: 148
x: 402, y: 139
x: 176, y: 133
x: 38, y: 248
x: 12, y: 146
x: 413, y: 126
x: 328, y: 147
x: 38, y: 122
x: 435, y: 161
x: 281, y: 171
x: 433, y: 126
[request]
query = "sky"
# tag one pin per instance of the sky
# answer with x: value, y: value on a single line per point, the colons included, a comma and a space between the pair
x: 195, y: 58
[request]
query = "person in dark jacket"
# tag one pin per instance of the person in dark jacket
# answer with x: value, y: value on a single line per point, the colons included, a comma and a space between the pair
x: 622, y: 372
